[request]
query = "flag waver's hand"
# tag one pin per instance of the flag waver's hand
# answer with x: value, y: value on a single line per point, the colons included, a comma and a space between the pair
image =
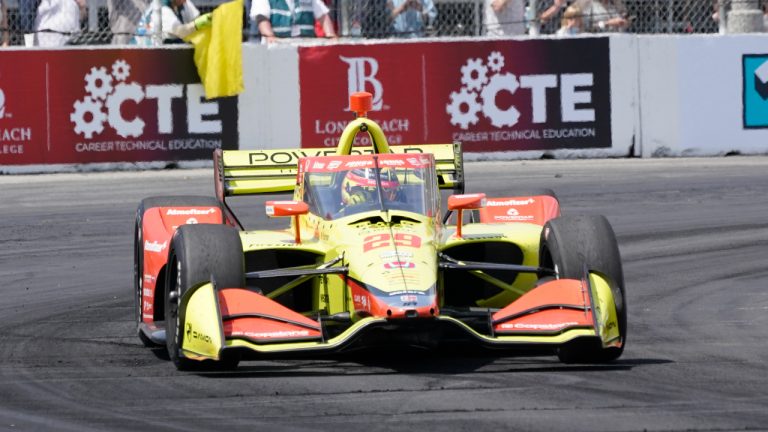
x: 203, y: 21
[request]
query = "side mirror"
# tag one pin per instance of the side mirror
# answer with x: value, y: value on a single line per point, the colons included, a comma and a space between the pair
x: 465, y: 202
x: 288, y: 208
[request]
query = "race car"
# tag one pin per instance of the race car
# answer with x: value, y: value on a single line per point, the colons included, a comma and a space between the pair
x: 370, y: 258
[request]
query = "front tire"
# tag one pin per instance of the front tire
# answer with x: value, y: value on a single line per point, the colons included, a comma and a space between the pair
x: 568, y: 243
x: 199, y: 253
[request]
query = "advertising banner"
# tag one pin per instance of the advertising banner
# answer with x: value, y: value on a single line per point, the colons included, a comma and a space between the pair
x: 129, y: 105
x: 492, y: 95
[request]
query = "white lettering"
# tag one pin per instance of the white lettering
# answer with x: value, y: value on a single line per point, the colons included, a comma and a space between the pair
x: 197, y: 109
x: 357, y: 78
x: 538, y: 85
x: 154, y: 246
x: 190, y: 212
x: 569, y: 98
x: 164, y: 95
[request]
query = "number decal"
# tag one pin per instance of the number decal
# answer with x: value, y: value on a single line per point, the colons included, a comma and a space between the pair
x: 407, y: 240
x: 378, y: 241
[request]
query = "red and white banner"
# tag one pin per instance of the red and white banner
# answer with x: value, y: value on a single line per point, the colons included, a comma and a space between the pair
x: 490, y: 95
x: 86, y: 105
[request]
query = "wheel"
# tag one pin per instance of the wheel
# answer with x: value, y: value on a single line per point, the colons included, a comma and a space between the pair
x: 197, y: 253
x: 567, y: 244
x: 138, y: 246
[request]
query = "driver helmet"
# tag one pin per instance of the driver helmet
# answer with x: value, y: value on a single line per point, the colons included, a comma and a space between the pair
x: 359, y: 185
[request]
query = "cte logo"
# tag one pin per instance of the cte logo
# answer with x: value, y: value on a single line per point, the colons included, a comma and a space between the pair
x: 483, y: 80
x: 107, y: 91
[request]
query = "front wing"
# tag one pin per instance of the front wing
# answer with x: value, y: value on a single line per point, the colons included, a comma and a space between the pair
x: 550, y: 315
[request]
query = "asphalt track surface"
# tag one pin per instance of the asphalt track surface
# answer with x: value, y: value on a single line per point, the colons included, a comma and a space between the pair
x: 693, y: 235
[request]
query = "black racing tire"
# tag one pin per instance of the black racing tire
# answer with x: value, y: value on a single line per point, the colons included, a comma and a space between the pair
x: 138, y: 245
x: 198, y: 252
x: 568, y: 243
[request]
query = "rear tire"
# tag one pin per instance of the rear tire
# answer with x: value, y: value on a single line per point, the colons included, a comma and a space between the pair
x: 199, y: 252
x: 138, y: 246
x: 568, y: 243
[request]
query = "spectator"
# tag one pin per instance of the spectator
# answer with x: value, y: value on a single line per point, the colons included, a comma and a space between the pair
x: 124, y: 16
x: 57, y: 20
x: 602, y: 16
x: 286, y: 18
x: 4, y: 33
x: 551, y: 13
x: 504, y: 17
x: 180, y: 18
x: 27, y: 15
x: 571, y: 22
x: 411, y: 18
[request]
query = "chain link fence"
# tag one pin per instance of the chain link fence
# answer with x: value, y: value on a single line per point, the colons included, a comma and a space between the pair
x: 77, y: 22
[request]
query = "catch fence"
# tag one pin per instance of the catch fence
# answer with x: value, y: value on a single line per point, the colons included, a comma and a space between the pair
x: 114, y: 21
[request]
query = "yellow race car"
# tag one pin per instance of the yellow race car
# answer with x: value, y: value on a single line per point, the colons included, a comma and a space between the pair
x: 371, y: 259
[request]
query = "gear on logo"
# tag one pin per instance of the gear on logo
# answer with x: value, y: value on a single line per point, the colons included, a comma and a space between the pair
x: 121, y: 70
x: 458, y: 116
x: 98, y: 83
x: 97, y: 117
x: 474, y: 74
x: 495, y: 61
x: 499, y: 118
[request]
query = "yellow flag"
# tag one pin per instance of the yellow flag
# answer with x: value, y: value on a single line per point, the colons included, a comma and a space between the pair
x: 219, y: 51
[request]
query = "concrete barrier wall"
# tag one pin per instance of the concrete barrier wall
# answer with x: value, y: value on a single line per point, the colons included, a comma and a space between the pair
x: 698, y: 95
x: 666, y: 96
x: 670, y: 96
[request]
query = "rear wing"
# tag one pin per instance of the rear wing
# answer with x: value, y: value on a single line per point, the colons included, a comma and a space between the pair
x: 258, y: 172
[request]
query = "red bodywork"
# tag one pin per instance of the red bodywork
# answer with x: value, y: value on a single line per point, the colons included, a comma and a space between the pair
x: 532, y: 209
x: 158, y: 226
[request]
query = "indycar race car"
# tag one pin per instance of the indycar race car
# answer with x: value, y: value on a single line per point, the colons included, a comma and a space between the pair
x: 371, y: 259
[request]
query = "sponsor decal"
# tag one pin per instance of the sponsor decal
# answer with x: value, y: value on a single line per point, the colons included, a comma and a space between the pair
x: 190, y: 212
x: 108, y: 90
x: 535, y: 326
x: 154, y: 246
x: 361, y: 76
x: 147, y: 307
x: 399, y: 264
x: 361, y: 301
x: 273, y: 335
x: 193, y: 334
x: 484, y: 79
x: 191, y: 221
x: 396, y: 255
x: 755, y: 90
x: 147, y: 292
x: 510, y: 202
x: 359, y: 164
x: 12, y: 139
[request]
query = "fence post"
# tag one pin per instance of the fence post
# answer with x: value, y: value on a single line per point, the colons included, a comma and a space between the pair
x: 722, y: 18
x: 344, y: 18
x: 157, y: 23
x: 531, y: 18
x: 745, y: 17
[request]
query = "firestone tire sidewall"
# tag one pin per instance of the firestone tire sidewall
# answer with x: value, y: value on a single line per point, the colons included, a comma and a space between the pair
x: 568, y: 244
x: 198, y: 254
